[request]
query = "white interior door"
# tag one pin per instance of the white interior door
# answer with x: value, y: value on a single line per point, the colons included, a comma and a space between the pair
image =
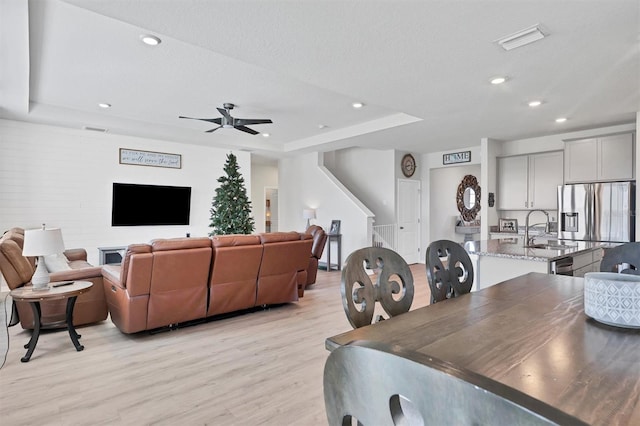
x: 409, y: 220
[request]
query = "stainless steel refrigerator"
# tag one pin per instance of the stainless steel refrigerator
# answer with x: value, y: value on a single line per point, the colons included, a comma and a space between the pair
x: 597, y: 211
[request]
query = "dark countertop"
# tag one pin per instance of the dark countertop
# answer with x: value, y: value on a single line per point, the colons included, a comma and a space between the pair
x: 530, y: 333
x: 511, y: 248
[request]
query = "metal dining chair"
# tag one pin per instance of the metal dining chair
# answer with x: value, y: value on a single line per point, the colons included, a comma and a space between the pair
x: 624, y: 259
x: 371, y: 383
x: 449, y: 270
x: 393, y: 288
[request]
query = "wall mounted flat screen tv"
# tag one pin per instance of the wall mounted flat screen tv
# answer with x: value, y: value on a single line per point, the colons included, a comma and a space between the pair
x: 139, y: 205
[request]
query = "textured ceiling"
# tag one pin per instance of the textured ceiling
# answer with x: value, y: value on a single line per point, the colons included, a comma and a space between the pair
x: 422, y: 68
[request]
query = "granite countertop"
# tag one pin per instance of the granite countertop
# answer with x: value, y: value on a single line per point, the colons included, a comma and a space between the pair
x: 511, y: 248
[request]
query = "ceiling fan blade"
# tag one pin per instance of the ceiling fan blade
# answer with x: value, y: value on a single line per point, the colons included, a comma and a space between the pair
x: 225, y: 113
x: 248, y: 121
x: 210, y: 120
x: 246, y: 129
x: 213, y: 130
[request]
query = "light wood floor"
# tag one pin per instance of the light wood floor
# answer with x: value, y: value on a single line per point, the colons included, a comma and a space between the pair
x: 262, y: 367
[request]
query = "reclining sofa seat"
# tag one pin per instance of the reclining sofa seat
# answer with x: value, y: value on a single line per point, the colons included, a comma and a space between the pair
x: 159, y: 284
x: 17, y: 270
x: 319, y: 241
x: 283, y: 270
x: 234, y: 272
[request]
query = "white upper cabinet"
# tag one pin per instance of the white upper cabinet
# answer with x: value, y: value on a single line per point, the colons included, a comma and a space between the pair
x: 545, y: 175
x: 604, y: 158
x: 529, y: 181
x: 512, y: 183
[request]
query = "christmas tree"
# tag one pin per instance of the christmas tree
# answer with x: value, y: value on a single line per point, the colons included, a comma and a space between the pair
x: 231, y: 208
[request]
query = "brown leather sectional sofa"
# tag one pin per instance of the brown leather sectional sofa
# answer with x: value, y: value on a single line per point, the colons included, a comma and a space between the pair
x: 174, y: 281
x: 171, y: 281
x: 17, y: 270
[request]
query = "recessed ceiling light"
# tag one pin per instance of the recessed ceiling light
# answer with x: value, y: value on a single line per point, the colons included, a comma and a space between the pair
x: 357, y: 105
x: 104, y: 105
x: 498, y: 80
x: 521, y: 38
x: 266, y: 135
x: 534, y: 104
x: 561, y: 120
x: 322, y: 126
x: 151, y: 40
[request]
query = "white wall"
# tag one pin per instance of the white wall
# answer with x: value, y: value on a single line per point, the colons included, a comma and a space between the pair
x: 63, y: 177
x: 262, y: 176
x: 443, y: 214
x: 369, y: 175
x: 434, y: 195
x: 490, y: 150
x: 303, y: 182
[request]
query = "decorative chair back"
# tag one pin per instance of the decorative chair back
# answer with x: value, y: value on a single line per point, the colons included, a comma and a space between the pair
x: 449, y: 270
x: 370, y: 383
x: 624, y: 258
x: 393, y: 287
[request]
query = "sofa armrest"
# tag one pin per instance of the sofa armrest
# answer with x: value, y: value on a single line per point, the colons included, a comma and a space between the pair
x: 77, y: 274
x: 112, y: 273
x: 76, y: 254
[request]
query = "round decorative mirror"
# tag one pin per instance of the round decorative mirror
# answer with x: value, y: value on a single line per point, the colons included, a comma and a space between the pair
x: 468, y: 198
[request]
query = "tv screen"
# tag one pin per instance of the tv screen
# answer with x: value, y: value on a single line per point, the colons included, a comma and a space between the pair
x: 138, y: 205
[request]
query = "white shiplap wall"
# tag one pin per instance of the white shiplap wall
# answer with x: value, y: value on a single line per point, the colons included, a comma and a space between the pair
x: 63, y: 177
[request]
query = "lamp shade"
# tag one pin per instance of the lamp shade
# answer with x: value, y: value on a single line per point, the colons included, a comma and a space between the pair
x: 309, y: 213
x: 42, y: 242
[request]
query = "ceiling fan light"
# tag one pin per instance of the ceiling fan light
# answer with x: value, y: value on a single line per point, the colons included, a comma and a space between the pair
x: 227, y: 126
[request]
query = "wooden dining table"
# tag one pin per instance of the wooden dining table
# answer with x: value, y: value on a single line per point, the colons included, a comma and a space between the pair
x: 530, y: 333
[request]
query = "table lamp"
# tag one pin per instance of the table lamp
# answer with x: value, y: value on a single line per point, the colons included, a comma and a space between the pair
x: 40, y: 243
x: 309, y: 214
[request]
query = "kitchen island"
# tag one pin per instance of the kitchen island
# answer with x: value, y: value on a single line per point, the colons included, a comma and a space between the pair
x: 502, y: 259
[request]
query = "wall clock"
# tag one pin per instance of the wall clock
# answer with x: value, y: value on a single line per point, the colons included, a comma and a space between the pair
x: 408, y: 165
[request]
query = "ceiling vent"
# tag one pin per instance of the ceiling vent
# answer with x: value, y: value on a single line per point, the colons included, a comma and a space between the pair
x: 521, y: 38
x: 95, y: 129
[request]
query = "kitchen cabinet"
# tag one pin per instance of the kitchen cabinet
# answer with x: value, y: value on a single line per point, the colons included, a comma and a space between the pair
x: 531, y: 181
x: 603, y: 158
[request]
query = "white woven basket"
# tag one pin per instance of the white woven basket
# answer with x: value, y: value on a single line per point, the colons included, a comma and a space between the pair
x: 612, y: 299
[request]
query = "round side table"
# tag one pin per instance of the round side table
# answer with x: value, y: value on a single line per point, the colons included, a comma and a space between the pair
x: 69, y: 290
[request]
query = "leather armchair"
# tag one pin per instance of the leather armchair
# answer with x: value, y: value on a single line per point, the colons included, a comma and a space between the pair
x: 17, y: 270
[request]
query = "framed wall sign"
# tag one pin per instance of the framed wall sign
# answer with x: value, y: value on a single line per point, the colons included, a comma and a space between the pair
x: 149, y: 158
x: 456, y: 157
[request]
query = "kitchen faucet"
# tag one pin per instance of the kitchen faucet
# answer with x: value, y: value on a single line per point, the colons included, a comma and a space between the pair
x: 528, y: 242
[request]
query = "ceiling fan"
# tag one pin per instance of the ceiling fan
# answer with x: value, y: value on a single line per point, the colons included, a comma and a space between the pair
x: 227, y: 121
